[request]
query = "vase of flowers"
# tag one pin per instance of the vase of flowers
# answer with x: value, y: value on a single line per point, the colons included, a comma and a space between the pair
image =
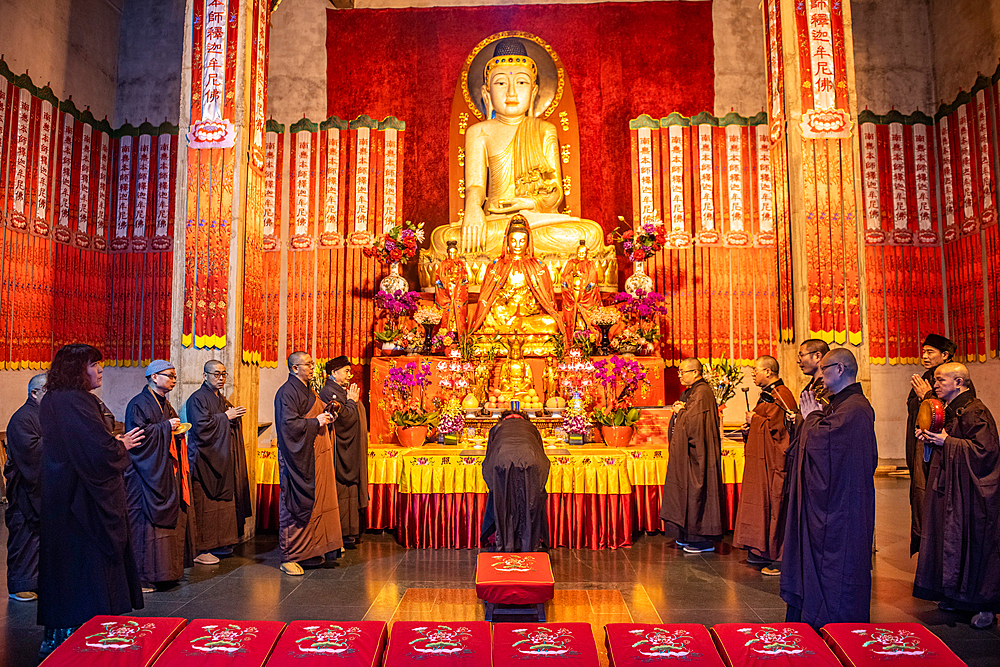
x: 575, y: 421
x: 638, y: 246
x: 428, y: 316
x: 640, y: 312
x: 620, y: 378
x: 724, y: 377
x: 393, y: 307
x: 398, y: 244
x: 405, y: 388
x: 452, y: 421
x: 604, y: 318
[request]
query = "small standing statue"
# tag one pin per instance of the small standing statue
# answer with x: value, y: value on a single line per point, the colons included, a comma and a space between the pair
x: 579, y: 291
x: 451, y: 291
x: 550, y: 378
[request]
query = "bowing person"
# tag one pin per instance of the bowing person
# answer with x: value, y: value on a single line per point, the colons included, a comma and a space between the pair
x: 757, y: 518
x: 516, y: 470
x: 86, y: 565
x: 158, y: 482
x: 692, y: 490
x: 23, y: 474
x: 308, y: 513
x: 220, y: 483
x: 350, y: 429
x: 959, y: 561
x: 826, y: 564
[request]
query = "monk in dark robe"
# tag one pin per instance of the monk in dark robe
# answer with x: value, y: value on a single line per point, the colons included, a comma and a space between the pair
x: 220, y: 486
x: 308, y: 513
x: 959, y: 561
x: 692, y: 492
x: 936, y: 350
x: 827, y: 558
x: 158, y: 482
x: 350, y: 428
x: 757, y: 528
x: 516, y: 470
x: 86, y: 565
x: 23, y: 474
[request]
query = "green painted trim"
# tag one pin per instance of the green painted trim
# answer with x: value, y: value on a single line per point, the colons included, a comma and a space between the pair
x: 982, y: 83
x: 45, y: 93
x: 963, y: 97
x: 364, y: 120
x: 893, y: 117
x: 126, y: 130
x: 392, y: 123
x: 147, y: 128
x: 334, y: 123
x: 303, y: 125
x: 67, y: 106
x: 919, y: 118
x: 705, y: 118
x: 869, y: 116
x: 644, y: 121
x: 760, y: 118
x: 733, y: 118
x: 675, y: 119
x: 274, y: 126
x: 168, y: 128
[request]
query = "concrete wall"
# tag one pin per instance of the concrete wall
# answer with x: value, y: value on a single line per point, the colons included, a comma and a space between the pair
x: 149, y: 62
x: 965, y: 35
x: 740, y: 77
x: 296, y: 84
x: 70, y: 44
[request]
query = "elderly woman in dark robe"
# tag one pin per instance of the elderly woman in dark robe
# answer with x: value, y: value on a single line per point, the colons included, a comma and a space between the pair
x: 86, y: 563
x: 515, y: 469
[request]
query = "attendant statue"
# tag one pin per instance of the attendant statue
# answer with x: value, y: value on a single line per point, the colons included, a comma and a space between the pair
x: 512, y: 165
x: 451, y: 291
x: 516, y: 295
x: 550, y: 378
x: 579, y: 291
x: 515, y: 374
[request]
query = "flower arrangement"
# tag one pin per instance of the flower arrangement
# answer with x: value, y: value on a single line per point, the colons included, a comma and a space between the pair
x: 428, y: 314
x: 640, y: 245
x: 408, y: 338
x: 629, y: 341
x: 393, y: 307
x: 398, y: 244
x: 452, y: 419
x: 642, y: 307
x: 724, y: 377
x: 605, y: 316
x: 576, y: 375
x: 444, y: 339
x: 574, y: 419
x: 620, y: 377
x: 405, y: 387
x: 586, y: 342
x: 454, y: 375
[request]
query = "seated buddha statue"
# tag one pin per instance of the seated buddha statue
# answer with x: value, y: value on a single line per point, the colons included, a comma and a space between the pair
x: 516, y: 295
x: 512, y: 165
x: 515, y: 378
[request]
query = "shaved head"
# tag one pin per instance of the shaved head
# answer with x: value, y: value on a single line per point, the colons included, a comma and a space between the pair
x: 296, y: 358
x: 36, y: 382
x: 957, y: 371
x: 842, y: 355
x: 691, y: 364
x: 212, y: 364
x: 813, y: 345
x: 768, y: 363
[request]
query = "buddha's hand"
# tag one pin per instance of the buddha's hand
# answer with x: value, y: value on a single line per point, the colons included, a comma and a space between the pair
x: 513, y: 205
x: 473, y: 230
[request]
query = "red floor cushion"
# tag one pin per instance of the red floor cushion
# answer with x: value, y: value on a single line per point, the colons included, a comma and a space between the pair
x: 772, y: 644
x: 352, y: 643
x: 638, y: 644
x: 446, y: 644
x: 522, y: 578
x: 887, y: 644
x: 221, y: 643
x: 565, y: 644
x: 121, y: 641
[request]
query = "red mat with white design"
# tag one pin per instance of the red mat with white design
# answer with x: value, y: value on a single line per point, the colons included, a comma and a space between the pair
x: 639, y: 644
x: 346, y: 644
x: 888, y: 644
x: 116, y: 641
x: 447, y: 644
x: 522, y: 579
x: 772, y: 644
x: 221, y: 643
x: 565, y: 644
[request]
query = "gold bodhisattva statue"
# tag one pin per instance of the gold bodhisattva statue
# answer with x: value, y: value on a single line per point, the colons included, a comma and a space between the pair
x: 515, y: 374
x: 580, y: 293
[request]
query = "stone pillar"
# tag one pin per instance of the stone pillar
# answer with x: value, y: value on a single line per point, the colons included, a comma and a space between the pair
x: 812, y: 107
x: 217, y: 266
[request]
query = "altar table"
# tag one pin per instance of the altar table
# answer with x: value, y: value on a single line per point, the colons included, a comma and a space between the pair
x: 434, y: 497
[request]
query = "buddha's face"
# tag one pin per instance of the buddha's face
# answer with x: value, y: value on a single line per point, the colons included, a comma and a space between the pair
x: 452, y: 252
x: 511, y: 91
x: 518, y: 243
x: 582, y: 252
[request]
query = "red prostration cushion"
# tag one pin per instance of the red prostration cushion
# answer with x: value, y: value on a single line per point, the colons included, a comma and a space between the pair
x: 523, y: 578
x: 549, y: 644
x: 351, y: 643
x: 638, y: 644
x: 887, y: 645
x: 772, y: 645
x: 116, y: 641
x: 209, y: 642
x: 445, y: 644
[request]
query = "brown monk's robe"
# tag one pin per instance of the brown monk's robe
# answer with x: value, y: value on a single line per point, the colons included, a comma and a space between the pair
x: 159, y: 491
x: 759, y: 511
x: 308, y: 512
x: 692, y: 491
x: 350, y: 435
x: 960, y: 539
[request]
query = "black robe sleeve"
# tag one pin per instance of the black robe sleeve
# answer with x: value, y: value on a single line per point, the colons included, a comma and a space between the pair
x: 24, y: 461
x: 209, y: 444
x: 351, y: 432
x: 152, y: 465
x: 296, y: 436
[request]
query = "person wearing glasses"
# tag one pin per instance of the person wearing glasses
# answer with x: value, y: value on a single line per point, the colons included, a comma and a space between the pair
x: 959, y: 561
x: 308, y: 512
x: 692, y: 492
x: 158, y: 483
x: 220, y: 485
x: 826, y: 563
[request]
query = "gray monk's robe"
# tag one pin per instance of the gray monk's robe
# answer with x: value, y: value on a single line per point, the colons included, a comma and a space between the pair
x: 826, y: 564
x: 23, y: 474
x: 220, y: 485
x: 158, y: 491
x: 692, y: 491
x: 516, y: 470
x: 308, y: 513
x: 960, y: 538
x: 350, y: 430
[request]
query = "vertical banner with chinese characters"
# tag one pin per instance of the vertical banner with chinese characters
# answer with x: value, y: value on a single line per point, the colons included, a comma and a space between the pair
x: 301, y: 242
x: 823, y: 69
x: 271, y: 241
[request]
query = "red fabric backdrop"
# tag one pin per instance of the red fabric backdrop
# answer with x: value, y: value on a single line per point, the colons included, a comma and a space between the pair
x: 623, y: 59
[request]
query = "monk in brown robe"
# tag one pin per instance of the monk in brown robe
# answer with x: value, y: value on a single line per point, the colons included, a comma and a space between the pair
x: 308, y: 512
x: 451, y: 291
x: 757, y: 527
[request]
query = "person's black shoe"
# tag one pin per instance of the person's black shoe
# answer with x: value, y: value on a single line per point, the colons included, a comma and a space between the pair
x: 332, y: 556
x: 350, y: 543
x: 313, y: 562
x: 754, y: 559
x: 947, y: 605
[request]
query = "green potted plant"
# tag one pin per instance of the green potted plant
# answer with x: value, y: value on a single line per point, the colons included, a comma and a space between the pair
x: 620, y: 378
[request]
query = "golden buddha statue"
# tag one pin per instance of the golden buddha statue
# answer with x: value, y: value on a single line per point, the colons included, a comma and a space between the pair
x: 550, y: 378
x: 512, y: 165
x: 451, y: 291
x: 579, y: 291
x: 516, y: 295
x: 515, y: 377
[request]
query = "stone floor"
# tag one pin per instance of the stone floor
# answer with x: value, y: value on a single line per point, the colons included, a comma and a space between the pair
x: 649, y: 582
